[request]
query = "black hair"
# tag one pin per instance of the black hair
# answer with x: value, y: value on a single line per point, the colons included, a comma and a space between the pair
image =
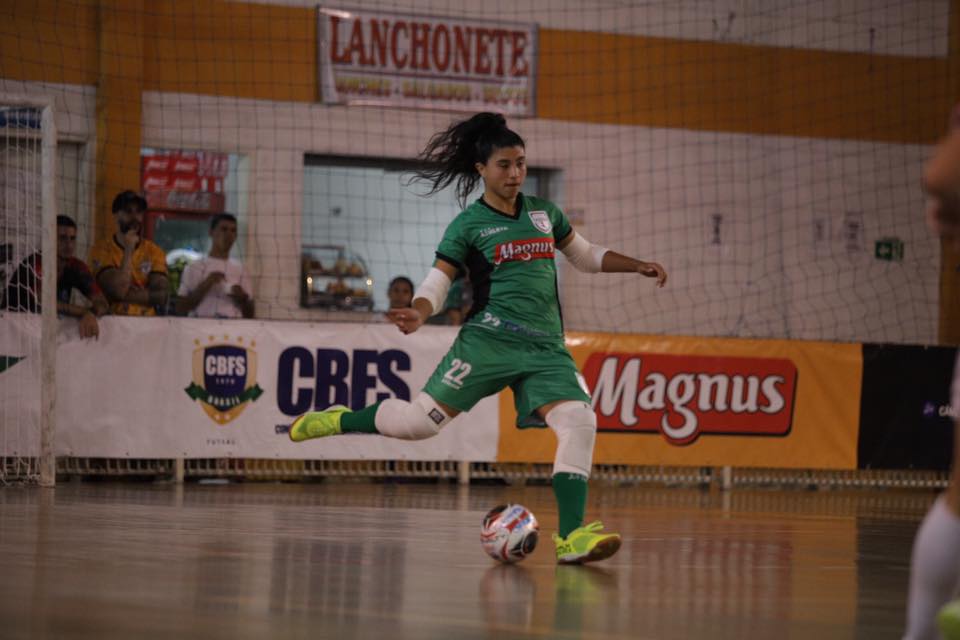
x: 217, y: 219
x: 451, y: 154
x: 127, y: 199
x: 66, y: 221
x: 400, y: 279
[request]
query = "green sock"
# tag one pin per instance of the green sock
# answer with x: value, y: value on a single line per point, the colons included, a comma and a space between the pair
x: 361, y: 421
x: 571, y: 492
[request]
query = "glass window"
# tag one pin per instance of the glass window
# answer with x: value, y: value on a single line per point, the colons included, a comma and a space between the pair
x: 373, y: 220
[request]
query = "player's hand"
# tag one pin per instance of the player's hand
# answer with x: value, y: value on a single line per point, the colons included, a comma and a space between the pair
x: 213, y: 278
x: 653, y: 270
x: 238, y: 295
x: 407, y: 319
x: 89, y: 328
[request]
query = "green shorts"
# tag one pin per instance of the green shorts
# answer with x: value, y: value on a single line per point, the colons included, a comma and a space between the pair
x: 481, y: 362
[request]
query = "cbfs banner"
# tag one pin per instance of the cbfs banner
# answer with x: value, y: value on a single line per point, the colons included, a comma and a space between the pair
x: 711, y: 402
x: 411, y: 60
x: 20, y: 371
x: 185, y: 387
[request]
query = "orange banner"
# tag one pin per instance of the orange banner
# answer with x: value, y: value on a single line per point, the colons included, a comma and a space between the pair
x: 709, y: 402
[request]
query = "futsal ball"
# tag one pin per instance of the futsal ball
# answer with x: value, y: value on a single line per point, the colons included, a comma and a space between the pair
x: 949, y: 620
x: 509, y: 533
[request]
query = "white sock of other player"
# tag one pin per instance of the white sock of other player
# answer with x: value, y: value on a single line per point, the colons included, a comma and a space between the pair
x: 935, y: 570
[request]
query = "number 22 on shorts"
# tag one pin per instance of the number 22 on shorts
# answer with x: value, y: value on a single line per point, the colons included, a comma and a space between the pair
x: 457, y: 372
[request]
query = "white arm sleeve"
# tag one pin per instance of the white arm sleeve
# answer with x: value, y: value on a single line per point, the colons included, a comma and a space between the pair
x: 434, y: 289
x: 583, y: 255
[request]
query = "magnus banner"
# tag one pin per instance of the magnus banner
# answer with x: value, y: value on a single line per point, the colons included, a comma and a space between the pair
x: 711, y: 401
x: 409, y: 60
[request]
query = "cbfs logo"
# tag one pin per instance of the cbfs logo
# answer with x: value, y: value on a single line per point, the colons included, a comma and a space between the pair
x: 686, y: 396
x: 224, y: 378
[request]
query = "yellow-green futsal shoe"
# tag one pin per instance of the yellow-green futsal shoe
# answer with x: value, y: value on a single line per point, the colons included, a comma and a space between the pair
x: 317, y: 424
x: 586, y: 544
x: 949, y: 620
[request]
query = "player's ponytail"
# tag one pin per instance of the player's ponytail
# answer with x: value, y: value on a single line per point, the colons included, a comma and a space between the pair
x: 451, y: 154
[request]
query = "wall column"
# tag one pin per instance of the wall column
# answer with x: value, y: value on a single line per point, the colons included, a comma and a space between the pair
x: 119, y: 105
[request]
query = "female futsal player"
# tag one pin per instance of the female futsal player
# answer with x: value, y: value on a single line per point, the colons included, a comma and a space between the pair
x: 513, y: 335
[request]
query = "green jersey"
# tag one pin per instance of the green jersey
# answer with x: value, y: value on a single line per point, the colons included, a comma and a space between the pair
x: 510, y: 259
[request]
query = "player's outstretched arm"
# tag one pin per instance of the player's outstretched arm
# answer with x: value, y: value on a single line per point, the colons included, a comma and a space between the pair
x: 614, y: 262
x: 591, y: 258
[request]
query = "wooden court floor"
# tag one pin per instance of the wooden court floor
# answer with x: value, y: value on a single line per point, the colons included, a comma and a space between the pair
x: 396, y: 561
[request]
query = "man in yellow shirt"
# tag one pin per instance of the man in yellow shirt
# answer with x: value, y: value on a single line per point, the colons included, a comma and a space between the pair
x: 131, y: 270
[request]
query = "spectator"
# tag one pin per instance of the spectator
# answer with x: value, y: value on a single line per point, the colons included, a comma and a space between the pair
x: 216, y: 286
x: 131, y: 270
x: 400, y: 292
x: 23, y: 290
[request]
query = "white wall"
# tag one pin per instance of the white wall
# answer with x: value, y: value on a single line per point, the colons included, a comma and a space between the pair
x: 646, y: 192
x: 766, y: 278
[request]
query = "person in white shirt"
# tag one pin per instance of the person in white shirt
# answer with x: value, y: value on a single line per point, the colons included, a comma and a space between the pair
x: 216, y: 286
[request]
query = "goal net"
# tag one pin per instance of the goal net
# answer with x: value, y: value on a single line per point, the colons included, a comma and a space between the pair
x: 768, y: 155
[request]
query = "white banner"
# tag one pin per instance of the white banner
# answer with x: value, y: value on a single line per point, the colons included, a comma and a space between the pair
x: 194, y: 388
x: 19, y: 384
x: 408, y: 60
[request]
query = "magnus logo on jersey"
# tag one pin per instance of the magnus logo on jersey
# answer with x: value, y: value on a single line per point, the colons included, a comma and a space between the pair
x: 524, y: 250
x: 224, y: 378
x: 686, y: 396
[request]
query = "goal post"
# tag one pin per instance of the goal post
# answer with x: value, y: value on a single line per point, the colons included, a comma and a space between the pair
x: 28, y: 213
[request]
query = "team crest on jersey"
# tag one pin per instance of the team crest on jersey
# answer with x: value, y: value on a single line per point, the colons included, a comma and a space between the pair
x: 224, y: 378
x: 541, y: 221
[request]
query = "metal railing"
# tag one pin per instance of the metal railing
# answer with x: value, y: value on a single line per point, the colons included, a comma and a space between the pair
x: 465, y: 472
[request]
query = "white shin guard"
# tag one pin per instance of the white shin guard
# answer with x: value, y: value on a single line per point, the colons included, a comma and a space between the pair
x: 417, y: 420
x: 575, y: 424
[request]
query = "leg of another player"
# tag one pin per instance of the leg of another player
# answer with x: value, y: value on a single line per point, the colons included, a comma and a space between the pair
x: 575, y: 425
x: 421, y: 418
x: 935, y: 564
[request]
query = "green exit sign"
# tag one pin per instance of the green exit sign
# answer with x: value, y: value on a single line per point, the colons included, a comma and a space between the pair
x: 890, y: 249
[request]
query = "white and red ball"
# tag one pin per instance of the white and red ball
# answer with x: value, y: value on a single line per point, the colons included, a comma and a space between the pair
x: 509, y: 533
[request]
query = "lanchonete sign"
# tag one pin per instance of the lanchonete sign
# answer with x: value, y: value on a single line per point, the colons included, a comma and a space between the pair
x: 409, y: 60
